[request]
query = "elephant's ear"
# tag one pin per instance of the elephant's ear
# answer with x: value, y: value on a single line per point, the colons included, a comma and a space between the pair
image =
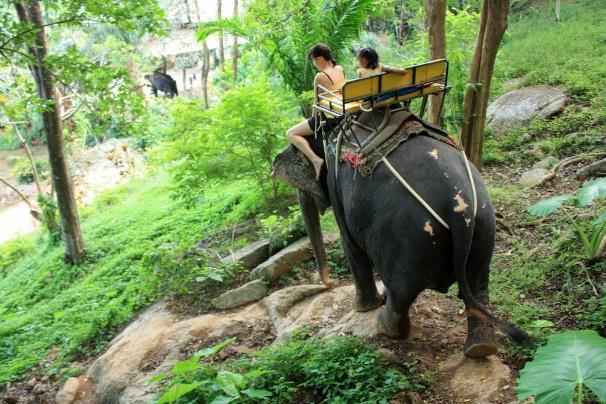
x: 293, y: 167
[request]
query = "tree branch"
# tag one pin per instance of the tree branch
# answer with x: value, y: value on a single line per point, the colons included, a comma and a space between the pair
x: 27, y: 31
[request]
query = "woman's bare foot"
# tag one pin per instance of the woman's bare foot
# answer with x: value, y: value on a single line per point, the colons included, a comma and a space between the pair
x: 318, y: 163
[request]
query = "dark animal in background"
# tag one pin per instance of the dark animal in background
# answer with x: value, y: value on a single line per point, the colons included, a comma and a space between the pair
x: 163, y: 82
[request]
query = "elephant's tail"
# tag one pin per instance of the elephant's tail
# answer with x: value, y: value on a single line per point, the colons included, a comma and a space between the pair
x: 462, y: 236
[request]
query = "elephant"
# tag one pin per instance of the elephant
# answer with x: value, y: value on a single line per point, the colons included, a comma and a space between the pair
x: 385, y: 228
x: 163, y: 82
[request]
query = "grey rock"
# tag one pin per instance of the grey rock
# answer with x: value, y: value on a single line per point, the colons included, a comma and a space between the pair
x: 251, y: 255
x: 250, y: 292
x: 478, y: 380
x: 546, y: 163
x: 280, y: 302
x: 522, y: 106
x: 597, y: 169
x: 75, y: 388
x: 533, y: 177
x: 525, y: 138
x: 282, y: 262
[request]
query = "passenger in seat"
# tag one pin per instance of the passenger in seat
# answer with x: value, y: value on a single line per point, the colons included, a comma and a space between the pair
x: 331, y: 77
x: 368, y: 64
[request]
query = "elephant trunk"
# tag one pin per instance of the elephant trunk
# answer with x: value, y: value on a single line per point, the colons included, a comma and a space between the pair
x: 311, y: 216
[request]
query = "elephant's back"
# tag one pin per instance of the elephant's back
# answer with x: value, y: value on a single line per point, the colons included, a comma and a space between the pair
x: 437, y: 173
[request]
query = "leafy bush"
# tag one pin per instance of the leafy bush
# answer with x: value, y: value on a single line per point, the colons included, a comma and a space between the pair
x: 283, y: 230
x: 592, y: 233
x: 178, y: 268
x: 13, y: 250
x: 239, y: 138
x: 336, y: 370
x: 570, y: 361
x: 23, y: 172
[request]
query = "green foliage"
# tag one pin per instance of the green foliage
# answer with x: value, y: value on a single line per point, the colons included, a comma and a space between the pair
x: 569, y: 361
x: 544, y: 52
x: 50, y: 216
x: 285, y: 34
x: 48, y: 306
x: 592, y: 233
x: 338, y: 370
x: 178, y: 268
x: 283, y: 230
x: 238, y: 138
x: 91, y: 70
x: 13, y: 250
x: 23, y: 171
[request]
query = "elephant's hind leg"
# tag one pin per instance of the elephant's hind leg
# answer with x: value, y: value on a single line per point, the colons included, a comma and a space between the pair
x: 394, y: 320
x: 480, y: 335
x: 480, y: 331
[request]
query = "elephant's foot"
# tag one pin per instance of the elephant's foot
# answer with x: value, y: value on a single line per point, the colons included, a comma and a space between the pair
x: 361, y: 305
x: 480, y: 336
x: 326, y: 278
x: 393, y: 325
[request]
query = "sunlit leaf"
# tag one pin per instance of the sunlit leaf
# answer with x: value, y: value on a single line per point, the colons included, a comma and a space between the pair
x: 568, y: 360
x: 253, y: 393
x: 212, y: 351
x: 186, y: 366
x: 230, y: 382
x: 177, y: 391
x: 600, y: 219
x: 548, y: 206
x: 541, y: 324
x: 594, y: 189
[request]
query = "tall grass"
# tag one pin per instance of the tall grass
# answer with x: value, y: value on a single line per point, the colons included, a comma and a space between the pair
x: 52, y: 313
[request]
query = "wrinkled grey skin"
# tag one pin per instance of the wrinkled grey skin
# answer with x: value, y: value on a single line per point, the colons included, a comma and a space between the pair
x: 383, y: 227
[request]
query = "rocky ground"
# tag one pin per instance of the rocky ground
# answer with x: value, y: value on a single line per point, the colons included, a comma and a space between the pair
x: 158, y: 338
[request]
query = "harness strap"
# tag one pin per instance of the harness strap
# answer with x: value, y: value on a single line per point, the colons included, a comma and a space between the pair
x: 473, y: 185
x: 414, y: 193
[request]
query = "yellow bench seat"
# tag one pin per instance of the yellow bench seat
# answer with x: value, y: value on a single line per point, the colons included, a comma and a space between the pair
x: 385, y: 89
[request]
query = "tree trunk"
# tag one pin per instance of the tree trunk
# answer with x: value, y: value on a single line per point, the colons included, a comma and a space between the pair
x: 557, y: 11
x: 234, y: 50
x: 184, y: 81
x: 198, y: 19
x: 134, y: 74
x: 205, y: 71
x: 70, y: 225
x: 187, y: 11
x: 493, y: 24
x: 436, y: 20
x: 221, y: 48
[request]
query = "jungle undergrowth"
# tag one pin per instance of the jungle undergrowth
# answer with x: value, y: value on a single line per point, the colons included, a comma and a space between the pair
x: 140, y: 245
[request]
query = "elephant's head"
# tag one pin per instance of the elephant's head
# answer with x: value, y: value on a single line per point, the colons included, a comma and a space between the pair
x: 294, y: 168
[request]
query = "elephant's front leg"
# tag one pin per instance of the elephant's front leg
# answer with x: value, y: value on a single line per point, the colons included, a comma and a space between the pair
x: 394, y: 320
x: 367, y: 295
